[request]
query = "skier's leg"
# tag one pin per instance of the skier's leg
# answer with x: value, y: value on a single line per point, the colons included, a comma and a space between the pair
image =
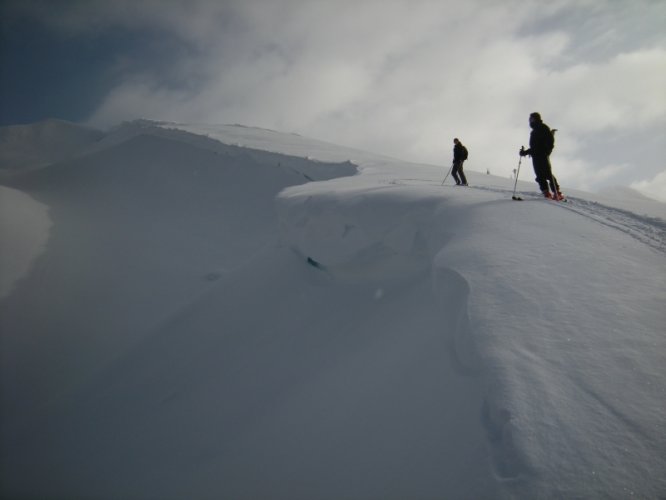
x: 554, y: 186
x: 541, y: 173
x: 462, y: 175
x: 454, y: 172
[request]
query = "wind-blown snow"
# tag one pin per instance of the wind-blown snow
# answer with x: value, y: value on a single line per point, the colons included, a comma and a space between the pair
x: 230, y: 312
x: 29, y: 146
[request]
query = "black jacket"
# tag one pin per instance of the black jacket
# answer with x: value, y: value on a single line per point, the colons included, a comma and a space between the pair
x: 459, y: 152
x: 542, y: 140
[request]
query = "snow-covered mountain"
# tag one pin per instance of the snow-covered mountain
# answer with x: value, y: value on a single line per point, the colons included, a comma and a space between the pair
x: 40, y: 144
x: 192, y: 311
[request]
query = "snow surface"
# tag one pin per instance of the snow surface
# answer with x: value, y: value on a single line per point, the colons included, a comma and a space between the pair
x: 24, y: 225
x: 229, y: 312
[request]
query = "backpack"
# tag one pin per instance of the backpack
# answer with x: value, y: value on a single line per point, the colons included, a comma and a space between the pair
x: 552, y: 135
x: 549, y: 139
x: 465, y: 154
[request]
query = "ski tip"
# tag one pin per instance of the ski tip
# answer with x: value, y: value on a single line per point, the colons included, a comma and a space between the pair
x: 516, y: 198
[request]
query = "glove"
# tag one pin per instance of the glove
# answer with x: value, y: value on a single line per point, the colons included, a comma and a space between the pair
x: 523, y: 152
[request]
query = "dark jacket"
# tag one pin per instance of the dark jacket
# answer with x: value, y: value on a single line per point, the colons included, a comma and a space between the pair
x: 542, y: 141
x: 459, y: 152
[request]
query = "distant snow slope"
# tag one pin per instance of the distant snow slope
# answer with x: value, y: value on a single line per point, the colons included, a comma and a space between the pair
x: 160, y: 220
x: 232, y: 312
x: 39, y: 144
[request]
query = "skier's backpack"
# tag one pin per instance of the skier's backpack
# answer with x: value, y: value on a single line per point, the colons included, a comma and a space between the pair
x: 552, y: 135
x: 549, y: 139
x: 465, y: 154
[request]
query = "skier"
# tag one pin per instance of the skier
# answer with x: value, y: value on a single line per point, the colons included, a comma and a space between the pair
x: 459, y: 156
x: 542, y: 142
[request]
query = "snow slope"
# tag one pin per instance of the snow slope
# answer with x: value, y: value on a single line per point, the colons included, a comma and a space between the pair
x: 39, y: 144
x: 231, y: 312
x: 25, y: 223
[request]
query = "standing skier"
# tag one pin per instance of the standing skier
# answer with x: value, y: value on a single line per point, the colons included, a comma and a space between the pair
x: 542, y: 142
x: 459, y: 156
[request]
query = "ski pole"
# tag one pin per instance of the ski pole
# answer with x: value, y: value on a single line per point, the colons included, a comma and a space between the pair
x: 447, y: 174
x: 513, y: 196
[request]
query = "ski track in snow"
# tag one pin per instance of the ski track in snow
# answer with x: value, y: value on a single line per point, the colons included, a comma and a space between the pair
x: 648, y: 230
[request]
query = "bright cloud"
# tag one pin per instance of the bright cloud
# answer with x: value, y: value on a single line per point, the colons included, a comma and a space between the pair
x: 401, y: 77
x: 655, y: 188
x: 627, y: 91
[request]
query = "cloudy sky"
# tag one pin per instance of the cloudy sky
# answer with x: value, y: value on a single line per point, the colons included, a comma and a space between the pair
x: 399, y: 77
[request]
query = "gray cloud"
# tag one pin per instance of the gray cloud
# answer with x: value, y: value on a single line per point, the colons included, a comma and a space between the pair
x: 403, y: 77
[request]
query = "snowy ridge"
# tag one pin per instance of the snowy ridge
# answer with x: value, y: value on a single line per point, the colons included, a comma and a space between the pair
x: 648, y: 230
x: 351, y: 230
x: 39, y: 144
x: 227, y: 311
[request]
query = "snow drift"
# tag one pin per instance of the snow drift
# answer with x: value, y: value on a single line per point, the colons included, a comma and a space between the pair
x: 224, y: 311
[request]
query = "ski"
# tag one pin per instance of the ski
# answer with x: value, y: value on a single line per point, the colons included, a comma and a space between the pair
x: 562, y: 199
